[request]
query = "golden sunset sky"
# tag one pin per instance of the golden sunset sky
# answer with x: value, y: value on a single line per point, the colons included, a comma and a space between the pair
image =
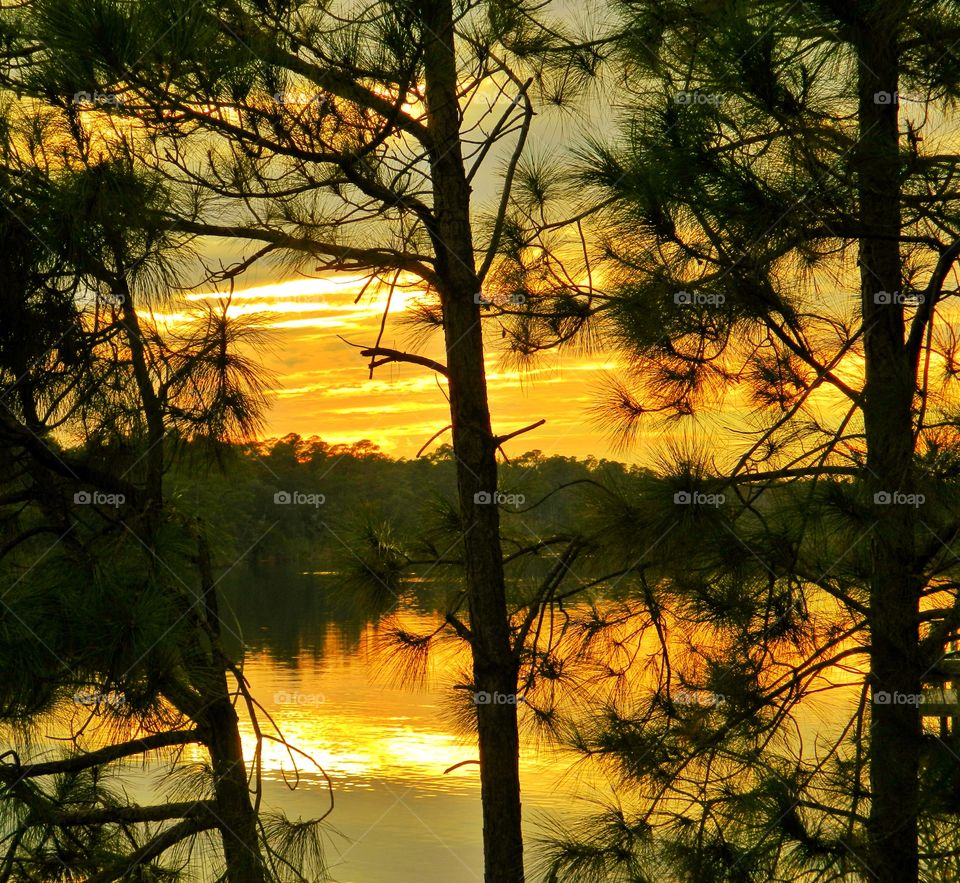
x: 322, y: 385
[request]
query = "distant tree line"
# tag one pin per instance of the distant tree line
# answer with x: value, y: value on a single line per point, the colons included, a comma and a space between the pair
x: 306, y: 502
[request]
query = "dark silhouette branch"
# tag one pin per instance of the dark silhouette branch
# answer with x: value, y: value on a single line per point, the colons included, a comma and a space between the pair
x: 931, y: 295
x: 156, y: 847
x: 500, y: 439
x: 10, y: 772
x: 340, y: 257
x: 389, y: 355
x: 433, y: 437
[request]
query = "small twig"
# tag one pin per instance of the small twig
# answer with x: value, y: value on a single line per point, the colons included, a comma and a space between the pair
x: 390, y: 355
x: 500, y: 439
x: 457, y: 766
x: 383, y: 318
x: 230, y: 273
x: 433, y: 438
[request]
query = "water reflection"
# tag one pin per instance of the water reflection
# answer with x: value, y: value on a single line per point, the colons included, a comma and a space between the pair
x: 335, y: 706
x: 314, y: 659
x: 313, y: 655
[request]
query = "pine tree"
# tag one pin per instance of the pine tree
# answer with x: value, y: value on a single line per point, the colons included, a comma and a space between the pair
x: 352, y: 138
x: 109, y: 615
x: 781, y: 231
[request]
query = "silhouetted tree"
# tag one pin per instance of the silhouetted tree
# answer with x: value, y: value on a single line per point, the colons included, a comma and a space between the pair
x: 780, y: 232
x: 354, y: 137
x: 109, y: 617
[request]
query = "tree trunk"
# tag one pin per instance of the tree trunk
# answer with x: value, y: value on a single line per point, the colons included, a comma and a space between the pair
x: 495, y: 668
x: 895, y: 671
x: 235, y: 813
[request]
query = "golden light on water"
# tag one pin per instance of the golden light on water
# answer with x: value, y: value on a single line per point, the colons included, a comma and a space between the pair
x: 404, y: 753
x: 351, y: 721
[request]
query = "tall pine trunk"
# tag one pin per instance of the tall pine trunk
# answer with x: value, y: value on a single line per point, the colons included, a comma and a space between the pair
x: 235, y: 813
x: 895, y: 730
x: 495, y: 668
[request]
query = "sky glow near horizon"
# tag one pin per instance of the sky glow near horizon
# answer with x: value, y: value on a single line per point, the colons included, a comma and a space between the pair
x: 322, y: 385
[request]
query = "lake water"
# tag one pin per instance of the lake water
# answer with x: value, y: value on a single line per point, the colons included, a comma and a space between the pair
x: 315, y: 659
x: 385, y: 749
x: 317, y: 665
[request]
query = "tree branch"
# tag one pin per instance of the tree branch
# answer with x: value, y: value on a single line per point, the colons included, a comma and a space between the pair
x: 345, y: 85
x: 500, y: 439
x: 135, y: 814
x: 341, y: 257
x: 931, y: 294
x: 390, y: 355
x: 156, y: 847
x: 15, y: 772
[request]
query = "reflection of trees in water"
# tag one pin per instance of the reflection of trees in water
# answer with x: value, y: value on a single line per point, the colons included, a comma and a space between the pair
x: 287, y: 612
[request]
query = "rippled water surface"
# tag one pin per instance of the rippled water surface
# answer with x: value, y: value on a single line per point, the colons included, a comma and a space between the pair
x: 318, y: 667
x: 314, y: 657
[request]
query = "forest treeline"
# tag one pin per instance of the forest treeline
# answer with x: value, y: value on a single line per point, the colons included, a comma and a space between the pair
x: 303, y: 501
